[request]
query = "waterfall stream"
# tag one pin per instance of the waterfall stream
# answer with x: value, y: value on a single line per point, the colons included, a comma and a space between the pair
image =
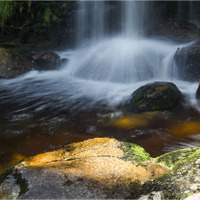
x: 113, y: 57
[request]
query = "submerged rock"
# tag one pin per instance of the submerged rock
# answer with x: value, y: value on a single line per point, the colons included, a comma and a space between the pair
x: 155, y: 96
x: 180, y: 31
x: 13, y: 64
x: 188, y: 62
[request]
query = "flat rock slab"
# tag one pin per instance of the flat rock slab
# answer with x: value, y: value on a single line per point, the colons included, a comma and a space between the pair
x: 94, y: 168
x: 104, y: 168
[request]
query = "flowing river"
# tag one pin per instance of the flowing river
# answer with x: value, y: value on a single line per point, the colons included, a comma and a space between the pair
x: 87, y: 97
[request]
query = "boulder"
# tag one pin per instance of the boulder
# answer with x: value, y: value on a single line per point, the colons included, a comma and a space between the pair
x: 94, y: 168
x: 188, y: 62
x: 13, y: 64
x: 174, y: 29
x: 45, y: 60
x: 182, y: 181
x: 157, y: 96
x: 103, y: 168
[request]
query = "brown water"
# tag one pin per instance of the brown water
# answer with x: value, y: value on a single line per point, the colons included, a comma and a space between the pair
x: 25, y: 134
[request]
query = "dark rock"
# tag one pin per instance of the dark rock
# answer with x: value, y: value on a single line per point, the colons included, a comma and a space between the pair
x: 180, y: 31
x: 188, y: 62
x: 45, y: 60
x: 155, y: 96
x: 13, y: 64
x: 198, y: 92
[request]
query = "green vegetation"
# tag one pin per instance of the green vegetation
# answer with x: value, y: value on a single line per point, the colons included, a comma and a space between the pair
x: 47, y: 12
x: 179, y: 158
x: 7, y: 9
x: 135, y: 153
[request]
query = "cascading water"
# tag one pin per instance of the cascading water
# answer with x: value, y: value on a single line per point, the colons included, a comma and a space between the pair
x: 112, y: 58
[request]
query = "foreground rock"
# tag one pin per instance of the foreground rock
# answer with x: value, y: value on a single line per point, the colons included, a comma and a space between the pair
x: 103, y: 168
x: 155, y: 96
x: 188, y: 62
x: 97, y: 168
x: 180, y: 31
x: 13, y: 64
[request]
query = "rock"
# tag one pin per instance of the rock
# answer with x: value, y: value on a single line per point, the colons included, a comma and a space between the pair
x: 13, y: 64
x: 193, y: 197
x: 179, y: 182
x: 188, y: 62
x: 104, y: 168
x: 45, y: 60
x: 94, y: 168
x: 155, y: 96
x: 198, y: 92
x: 153, y: 196
x: 174, y: 29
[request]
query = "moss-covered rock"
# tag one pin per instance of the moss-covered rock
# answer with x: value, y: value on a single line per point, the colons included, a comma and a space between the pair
x: 183, y: 178
x: 13, y: 64
x: 155, y: 96
x: 103, y: 168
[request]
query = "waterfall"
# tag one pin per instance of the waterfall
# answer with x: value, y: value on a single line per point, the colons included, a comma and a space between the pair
x: 133, y: 13
x: 90, y: 20
x: 112, y: 58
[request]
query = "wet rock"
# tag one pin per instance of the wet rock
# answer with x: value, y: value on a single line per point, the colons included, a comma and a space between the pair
x: 13, y: 64
x: 45, y: 60
x: 155, y: 96
x: 179, y: 182
x: 174, y: 29
x: 98, y: 167
x: 94, y: 168
x: 188, y: 62
x: 198, y: 92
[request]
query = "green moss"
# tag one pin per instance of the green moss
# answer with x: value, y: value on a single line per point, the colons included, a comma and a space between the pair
x: 134, y: 153
x: 22, y: 49
x: 179, y: 158
x: 23, y: 184
x: 5, y: 174
x: 155, y: 96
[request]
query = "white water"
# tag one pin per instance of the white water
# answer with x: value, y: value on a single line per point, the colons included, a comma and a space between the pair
x: 104, y: 68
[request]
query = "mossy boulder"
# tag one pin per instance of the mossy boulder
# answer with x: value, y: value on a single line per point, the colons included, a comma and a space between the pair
x: 188, y: 62
x: 182, y: 180
x: 157, y: 96
x: 103, y: 168
x: 13, y: 64
x: 96, y: 168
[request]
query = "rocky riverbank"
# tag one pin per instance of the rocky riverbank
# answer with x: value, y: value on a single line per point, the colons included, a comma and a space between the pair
x: 103, y: 168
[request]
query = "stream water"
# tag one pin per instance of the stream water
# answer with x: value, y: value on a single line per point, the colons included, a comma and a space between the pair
x: 86, y: 97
